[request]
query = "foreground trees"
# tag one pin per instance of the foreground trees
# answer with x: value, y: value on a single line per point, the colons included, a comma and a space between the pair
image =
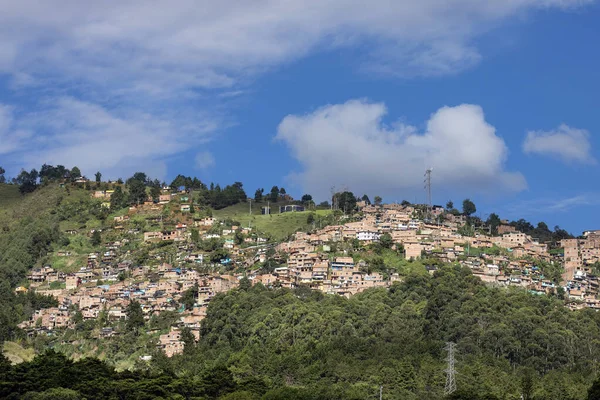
x: 280, y: 344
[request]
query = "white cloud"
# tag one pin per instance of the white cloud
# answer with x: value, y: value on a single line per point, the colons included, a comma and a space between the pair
x: 130, y: 67
x: 204, y: 160
x: 86, y: 135
x: 11, y: 138
x: 348, y: 144
x: 568, y: 144
x: 188, y: 44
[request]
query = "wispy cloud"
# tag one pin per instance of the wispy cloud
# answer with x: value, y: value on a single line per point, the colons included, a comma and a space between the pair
x: 551, y: 205
x: 131, y: 68
x: 566, y: 143
x: 78, y: 133
x: 212, y: 44
x: 204, y: 160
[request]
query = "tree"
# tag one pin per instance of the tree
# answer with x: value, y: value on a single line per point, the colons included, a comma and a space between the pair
x: 2, y: 172
x: 405, y: 203
x: 310, y: 218
x: 594, y: 391
x: 188, y: 298
x: 560, y: 234
x: 366, y: 199
x: 282, y: 191
x: 274, y: 195
x: 135, y: 316
x: 181, y: 180
x: 75, y: 173
x: 155, y: 193
x: 27, y: 181
x: 137, y: 191
x: 219, y: 198
x: 203, y: 197
x: 98, y: 177
x: 345, y: 201
x: 238, y: 237
x: 219, y: 254
x: 378, y: 200
x: 52, y: 173
x: 306, y: 199
x: 469, y: 207
x: 258, y: 195
x: 139, y: 176
x: 494, y: 222
x: 386, y: 241
x: 449, y: 205
x: 527, y: 384
x: 96, y: 238
x: 117, y: 199
x: 245, y: 284
x: 188, y: 339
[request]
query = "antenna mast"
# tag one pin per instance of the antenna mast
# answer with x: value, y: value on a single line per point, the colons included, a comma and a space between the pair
x: 332, y: 198
x: 428, y: 190
x: 450, y: 371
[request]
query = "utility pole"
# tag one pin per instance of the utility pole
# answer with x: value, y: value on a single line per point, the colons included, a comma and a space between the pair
x: 380, y: 392
x: 250, y: 201
x: 450, y: 371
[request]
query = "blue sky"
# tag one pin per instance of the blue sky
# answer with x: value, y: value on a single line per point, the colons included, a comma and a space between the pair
x: 498, y: 97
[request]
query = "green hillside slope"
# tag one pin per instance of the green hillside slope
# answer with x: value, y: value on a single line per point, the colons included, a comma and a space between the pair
x: 278, y: 226
x: 9, y: 195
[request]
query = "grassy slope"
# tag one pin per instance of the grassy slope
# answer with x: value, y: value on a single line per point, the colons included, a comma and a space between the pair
x: 35, y: 204
x: 9, y: 195
x: 279, y: 226
x: 16, y: 353
x: 38, y: 204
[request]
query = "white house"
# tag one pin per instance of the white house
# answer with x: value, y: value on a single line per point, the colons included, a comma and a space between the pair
x: 367, y: 236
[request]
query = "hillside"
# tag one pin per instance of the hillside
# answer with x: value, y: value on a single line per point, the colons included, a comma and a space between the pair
x: 9, y: 195
x: 278, y: 226
x: 165, y: 291
x: 298, y: 344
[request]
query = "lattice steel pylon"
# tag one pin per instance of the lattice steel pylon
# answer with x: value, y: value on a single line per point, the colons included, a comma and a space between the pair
x: 450, y: 370
x: 427, y: 188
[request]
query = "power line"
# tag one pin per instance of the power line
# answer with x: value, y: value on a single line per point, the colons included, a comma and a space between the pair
x: 450, y: 370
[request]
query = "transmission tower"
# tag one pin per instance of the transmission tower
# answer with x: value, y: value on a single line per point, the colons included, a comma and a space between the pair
x: 450, y: 371
x: 332, y: 198
x: 428, y: 191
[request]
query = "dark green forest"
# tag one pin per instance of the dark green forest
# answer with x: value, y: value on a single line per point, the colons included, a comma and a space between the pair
x: 280, y: 344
